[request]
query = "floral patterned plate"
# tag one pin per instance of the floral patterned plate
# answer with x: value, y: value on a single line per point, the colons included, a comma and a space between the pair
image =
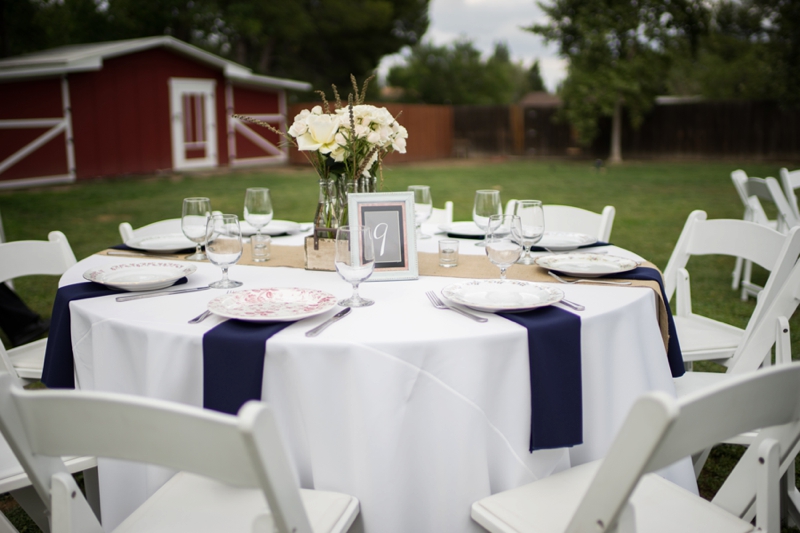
x: 494, y: 295
x: 272, y: 304
x: 147, y: 276
x: 586, y: 265
x: 167, y: 243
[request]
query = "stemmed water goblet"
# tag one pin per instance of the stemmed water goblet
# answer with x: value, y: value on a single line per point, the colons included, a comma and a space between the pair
x: 224, y: 247
x: 194, y: 219
x: 354, y: 260
x: 258, y: 208
x: 423, y: 207
x: 487, y: 203
x: 531, y: 216
x: 503, y: 241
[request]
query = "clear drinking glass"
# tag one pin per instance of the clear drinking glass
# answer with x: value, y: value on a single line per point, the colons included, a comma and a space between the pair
x: 531, y: 216
x: 503, y: 241
x: 194, y: 219
x: 423, y: 207
x: 258, y: 208
x: 487, y: 203
x: 224, y: 247
x: 355, y: 260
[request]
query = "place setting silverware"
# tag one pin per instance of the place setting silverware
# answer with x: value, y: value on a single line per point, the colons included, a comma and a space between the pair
x: 335, y: 318
x: 593, y: 280
x: 202, y: 316
x: 140, y: 296
x: 439, y: 304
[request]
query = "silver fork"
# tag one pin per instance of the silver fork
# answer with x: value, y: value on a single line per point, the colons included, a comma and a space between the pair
x: 562, y: 280
x: 438, y: 304
x: 202, y: 316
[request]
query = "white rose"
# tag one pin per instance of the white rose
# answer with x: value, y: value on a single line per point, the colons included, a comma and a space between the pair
x: 321, y: 133
x: 399, y: 144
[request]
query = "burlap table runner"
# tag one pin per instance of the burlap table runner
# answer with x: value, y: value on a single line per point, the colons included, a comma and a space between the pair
x: 469, y: 267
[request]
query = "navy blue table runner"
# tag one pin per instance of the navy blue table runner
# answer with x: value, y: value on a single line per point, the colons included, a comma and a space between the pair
x: 554, y: 352
x: 674, y: 354
x: 233, y: 363
x: 59, y: 367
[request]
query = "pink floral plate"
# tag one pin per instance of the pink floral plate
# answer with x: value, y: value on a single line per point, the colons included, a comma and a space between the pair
x: 272, y: 304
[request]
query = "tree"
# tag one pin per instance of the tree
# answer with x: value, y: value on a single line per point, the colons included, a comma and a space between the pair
x: 618, y: 53
x: 535, y: 81
x: 456, y: 74
x: 751, y: 51
x: 320, y: 41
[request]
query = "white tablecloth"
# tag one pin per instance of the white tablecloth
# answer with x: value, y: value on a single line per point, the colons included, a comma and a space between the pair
x: 417, y: 412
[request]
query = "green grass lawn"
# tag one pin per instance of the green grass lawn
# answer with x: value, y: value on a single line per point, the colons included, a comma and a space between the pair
x: 652, y: 200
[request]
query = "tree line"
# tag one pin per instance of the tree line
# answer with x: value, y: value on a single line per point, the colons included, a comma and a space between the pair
x: 318, y: 41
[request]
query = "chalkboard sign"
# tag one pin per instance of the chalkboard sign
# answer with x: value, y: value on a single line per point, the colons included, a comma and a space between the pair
x: 391, y: 219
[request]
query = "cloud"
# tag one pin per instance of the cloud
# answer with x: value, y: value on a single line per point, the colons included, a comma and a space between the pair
x: 486, y: 22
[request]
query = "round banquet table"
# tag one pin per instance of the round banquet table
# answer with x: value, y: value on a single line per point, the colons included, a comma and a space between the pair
x: 417, y: 412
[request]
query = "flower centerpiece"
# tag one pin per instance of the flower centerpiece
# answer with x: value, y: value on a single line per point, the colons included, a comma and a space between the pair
x: 345, y: 145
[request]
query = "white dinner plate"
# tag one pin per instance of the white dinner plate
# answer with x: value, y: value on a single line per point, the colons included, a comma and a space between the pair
x: 463, y: 229
x: 494, y: 295
x: 272, y: 304
x: 147, y: 276
x: 274, y: 228
x: 165, y: 243
x: 586, y: 265
x: 563, y: 240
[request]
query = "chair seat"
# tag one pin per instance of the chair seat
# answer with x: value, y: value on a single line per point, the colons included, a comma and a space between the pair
x: 547, y: 505
x: 188, y: 502
x: 28, y: 359
x: 704, y: 338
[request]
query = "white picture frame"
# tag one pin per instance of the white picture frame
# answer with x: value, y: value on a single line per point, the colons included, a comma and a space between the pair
x: 391, y: 217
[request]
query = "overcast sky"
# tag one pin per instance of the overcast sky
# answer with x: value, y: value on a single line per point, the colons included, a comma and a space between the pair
x: 486, y: 22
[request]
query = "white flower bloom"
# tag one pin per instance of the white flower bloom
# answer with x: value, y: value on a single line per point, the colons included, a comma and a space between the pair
x: 320, y: 135
x: 399, y: 145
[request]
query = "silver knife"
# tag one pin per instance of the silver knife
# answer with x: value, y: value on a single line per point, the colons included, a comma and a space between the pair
x: 126, y: 253
x: 130, y: 297
x: 317, y: 330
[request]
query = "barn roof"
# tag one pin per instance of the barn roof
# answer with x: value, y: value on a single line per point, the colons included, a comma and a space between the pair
x: 88, y: 57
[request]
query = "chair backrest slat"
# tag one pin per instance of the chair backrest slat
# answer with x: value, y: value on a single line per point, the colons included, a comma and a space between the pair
x: 661, y: 430
x: 791, y: 181
x: 26, y: 258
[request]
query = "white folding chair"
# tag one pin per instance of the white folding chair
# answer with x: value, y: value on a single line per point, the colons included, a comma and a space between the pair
x: 791, y: 182
x: 703, y: 338
x: 772, y: 329
x: 442, y: 216
x: 234, y: 473
x: 575, y: 219
x: 752, y: 191
x: 621, y: 493
x: 172, y: 225
x: 15, y: 481
x: 26, y: 258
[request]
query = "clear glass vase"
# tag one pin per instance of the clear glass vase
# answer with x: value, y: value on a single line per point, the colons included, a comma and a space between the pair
x: 332, y: 210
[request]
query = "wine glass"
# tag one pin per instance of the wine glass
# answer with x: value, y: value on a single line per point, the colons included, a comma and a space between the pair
x: 503, y: 241
x: 355, y: 260
x: 224, y: 247
x: 531, y: 216
x: 258, y: 208
x: 423, y: 207
x: 194, y: 219
x: 487, y: 203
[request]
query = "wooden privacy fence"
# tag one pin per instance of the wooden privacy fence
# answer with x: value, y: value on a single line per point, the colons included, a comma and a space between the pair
x: 698, y: 129
x: 430, y: 131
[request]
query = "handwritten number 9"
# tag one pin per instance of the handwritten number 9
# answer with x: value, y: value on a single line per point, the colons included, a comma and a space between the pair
x: 382, y: 227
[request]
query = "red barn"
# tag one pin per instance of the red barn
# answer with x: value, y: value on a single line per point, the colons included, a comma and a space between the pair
x: 134, y: 106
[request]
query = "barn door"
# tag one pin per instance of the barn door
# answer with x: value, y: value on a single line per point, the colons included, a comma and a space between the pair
x: 194, y: 125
